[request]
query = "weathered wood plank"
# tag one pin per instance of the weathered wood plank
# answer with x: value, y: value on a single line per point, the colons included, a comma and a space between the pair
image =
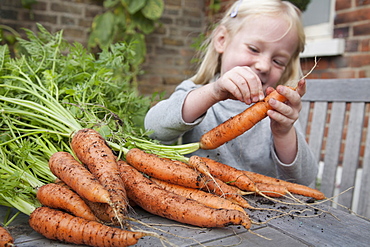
x: 332, y: 148
x: 364, y: 202
x: 351, y: 152
x: 304, y: 114
x: 317, y: 128
x: 247, y: 239
x: 317, y: 228
x: 349, y: 90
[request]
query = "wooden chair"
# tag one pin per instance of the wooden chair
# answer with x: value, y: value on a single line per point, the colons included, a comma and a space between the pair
x: 335, y: 115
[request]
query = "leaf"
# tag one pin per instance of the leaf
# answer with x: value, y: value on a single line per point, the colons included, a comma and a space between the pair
x: 143, y: 24
x: 110, y: 3
x: 135, y: 5
x: 153, y: 9
x: 103, y: 29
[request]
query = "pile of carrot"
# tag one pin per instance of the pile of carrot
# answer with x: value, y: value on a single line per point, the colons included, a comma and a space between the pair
x: 89, y: 203
x: 87, y: 198
x: 6, y: 240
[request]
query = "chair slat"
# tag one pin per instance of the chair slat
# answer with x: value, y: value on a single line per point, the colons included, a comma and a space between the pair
x: 332, y: 148
x: 345, y: 90
x: 364, y: 202
x: 304, y: 114
x: 351, y: 152
x: 317, y: 128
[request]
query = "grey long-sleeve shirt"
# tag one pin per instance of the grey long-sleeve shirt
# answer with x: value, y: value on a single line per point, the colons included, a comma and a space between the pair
x: 252, y: 151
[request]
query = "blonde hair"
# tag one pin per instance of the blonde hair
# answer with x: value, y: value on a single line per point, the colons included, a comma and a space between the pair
x: 211, y: 60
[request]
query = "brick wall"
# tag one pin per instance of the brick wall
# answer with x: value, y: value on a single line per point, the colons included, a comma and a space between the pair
x: 73, y: 16
x: 351, y: 22
x: 169, y: 58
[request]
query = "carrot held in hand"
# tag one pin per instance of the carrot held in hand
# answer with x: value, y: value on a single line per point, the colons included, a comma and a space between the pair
x: 93, y: 151
x: 238, y: 124
x: 57, y: 225
x: 6, y: 240
x: 55, y: 195
x: 156, y: 200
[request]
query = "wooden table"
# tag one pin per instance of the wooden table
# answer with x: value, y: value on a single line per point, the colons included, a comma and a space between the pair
x: 319, y: 226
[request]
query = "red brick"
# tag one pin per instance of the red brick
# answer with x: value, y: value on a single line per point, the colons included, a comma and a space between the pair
x: 342, y: 32
x: 342, y: 4
x: 340, y: 62
x: 352, y: 16
x: 361, y: 30
x: 362, y: 2
x: 172, y: 42
x: 365, y: 45
x: 352, y: 45
x: 171, y: 3
x: 66, y: 8
x: 360, y: 60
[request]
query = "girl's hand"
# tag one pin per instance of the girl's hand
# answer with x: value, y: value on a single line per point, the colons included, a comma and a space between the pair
x: 285, y: 114
x: 239, y: 83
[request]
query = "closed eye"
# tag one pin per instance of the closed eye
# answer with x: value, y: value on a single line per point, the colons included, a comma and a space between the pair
x: 280, y: 63
x: 253, y: 49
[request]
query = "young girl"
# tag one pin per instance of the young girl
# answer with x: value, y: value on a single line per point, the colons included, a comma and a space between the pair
x: 255, y: 47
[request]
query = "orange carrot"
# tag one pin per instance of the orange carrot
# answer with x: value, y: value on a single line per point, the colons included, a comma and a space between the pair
x: 246, y: 180
x: 159, y: 201
x: 77, y: 177
x: 238, y: 124
x: 271, y: 190
x: 93, y: 151
x: 57, y: 225
x: 103, y: 211
x: 230, y: 175
x: 203, y: 197
x: 6, y: 240
x: 298, y: 189
x: 198, y: 163
x: 177, y: 172
x: 55, y: 195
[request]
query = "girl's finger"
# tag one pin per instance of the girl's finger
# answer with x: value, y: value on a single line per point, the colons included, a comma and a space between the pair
x: 301, y: 87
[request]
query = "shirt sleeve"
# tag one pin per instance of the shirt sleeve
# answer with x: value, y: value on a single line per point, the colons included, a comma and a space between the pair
x: 165, y: 118
x: 303, y: 169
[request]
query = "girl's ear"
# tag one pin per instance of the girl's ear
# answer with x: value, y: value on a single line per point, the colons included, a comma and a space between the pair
x: 220, y: 39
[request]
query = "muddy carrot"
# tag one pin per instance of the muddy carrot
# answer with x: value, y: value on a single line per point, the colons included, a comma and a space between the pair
x: 298, y: 189
x: 203, y: 197
x: 93, y: 151
x: 177, y: 172
x: 238, y: 124
x: 159, y: 201
x: 57, y: 196
x: 6, y: 240
x: 271, y: 190
x: 58, y: 225
x: 230, y: 175
x: 103, y: 211
x: 76, y: 176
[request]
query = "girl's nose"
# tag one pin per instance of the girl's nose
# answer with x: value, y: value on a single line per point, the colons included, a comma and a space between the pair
x: 262, y: 64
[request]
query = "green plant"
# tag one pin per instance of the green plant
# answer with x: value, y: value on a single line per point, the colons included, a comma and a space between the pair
x: 128, y: 21
x: 301, y: 4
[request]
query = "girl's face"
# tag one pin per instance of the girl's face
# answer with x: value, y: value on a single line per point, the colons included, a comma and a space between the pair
x: 264, y: 43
